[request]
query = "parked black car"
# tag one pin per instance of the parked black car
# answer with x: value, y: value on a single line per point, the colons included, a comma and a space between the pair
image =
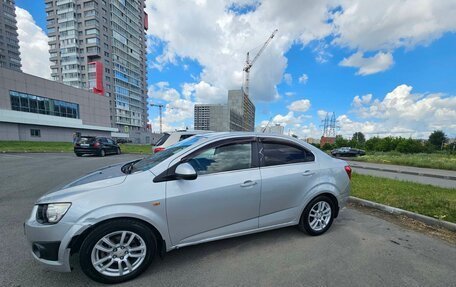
x: 347, y: 151
x: 100, y: 146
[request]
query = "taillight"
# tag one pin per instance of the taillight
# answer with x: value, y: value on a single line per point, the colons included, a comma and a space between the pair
x: 157, y: 149
x: 348, y: 170
x: 97, y: 144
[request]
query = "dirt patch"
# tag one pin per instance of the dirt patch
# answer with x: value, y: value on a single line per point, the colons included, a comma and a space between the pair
x: 410, y: 223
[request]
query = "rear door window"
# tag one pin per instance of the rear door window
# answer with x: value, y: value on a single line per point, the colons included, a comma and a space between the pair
x: 281, y: 152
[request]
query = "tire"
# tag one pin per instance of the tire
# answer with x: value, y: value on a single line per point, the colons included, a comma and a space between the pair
x: 117, y: 252
x: 118, y: 151
x: 337, y: 154
x: 78, y: 155
x: 102, y: 153
x: 307, y: 223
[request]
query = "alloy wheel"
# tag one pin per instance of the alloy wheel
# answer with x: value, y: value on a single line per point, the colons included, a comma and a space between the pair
x: 319, y: 215
x: 118, y: 253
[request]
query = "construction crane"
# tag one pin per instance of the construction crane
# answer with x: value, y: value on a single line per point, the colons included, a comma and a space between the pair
x: 249, y: 64
x: 160, y: 108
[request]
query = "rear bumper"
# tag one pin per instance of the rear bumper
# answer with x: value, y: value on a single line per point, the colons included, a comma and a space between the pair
x: 80, y: 150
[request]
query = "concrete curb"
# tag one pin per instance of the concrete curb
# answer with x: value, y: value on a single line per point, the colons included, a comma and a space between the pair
x: 449, y: 177
x: 425, y: 219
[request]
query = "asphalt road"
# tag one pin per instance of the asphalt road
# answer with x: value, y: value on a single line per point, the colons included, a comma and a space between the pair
x: 358, y: 250
x: 407, y: 173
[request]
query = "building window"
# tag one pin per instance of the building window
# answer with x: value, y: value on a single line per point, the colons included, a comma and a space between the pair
x: 24, y: 102
x: 35, y: 133
x: 91, y: 32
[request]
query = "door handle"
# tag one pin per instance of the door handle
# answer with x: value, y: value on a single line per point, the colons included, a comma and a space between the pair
x: 248, y: 183
x: 307, y: 173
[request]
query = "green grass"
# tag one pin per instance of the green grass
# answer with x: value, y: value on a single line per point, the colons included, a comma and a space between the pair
x: 25, y: 146
x: 428, y: 160
x: 136, y: 148
x: 428, y: 200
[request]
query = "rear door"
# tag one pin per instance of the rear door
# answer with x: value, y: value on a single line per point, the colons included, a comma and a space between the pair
x: 223, y: 199
x: 288, y: 171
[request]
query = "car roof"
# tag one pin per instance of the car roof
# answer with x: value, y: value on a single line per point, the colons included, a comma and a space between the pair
x: 215, y: 135
x: 189, y: 132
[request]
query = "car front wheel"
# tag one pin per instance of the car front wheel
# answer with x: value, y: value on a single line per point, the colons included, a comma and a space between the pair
x: 102, y: 153
x: 117, y: 251
x: 317, y: 216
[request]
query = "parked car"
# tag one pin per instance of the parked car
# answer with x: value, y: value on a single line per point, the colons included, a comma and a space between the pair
x: 100, y: 146
x: 204, y: 188
x: 347, y: 151
x: 169, y: 139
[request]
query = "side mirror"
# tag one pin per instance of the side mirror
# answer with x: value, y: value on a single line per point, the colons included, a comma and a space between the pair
x: 185, y: 171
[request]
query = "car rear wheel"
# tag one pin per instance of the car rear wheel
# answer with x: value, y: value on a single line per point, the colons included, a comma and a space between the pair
x: 118, y: 151
x: 102, y: 152
x: 117, y: 251
x: 318, y: 216
x: 78, y: 154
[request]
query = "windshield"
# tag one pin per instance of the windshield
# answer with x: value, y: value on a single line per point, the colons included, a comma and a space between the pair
x: 151, y: 161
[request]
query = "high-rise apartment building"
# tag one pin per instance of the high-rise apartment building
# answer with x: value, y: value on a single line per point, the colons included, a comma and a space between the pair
x: 237, y: 115
x: 211, y: 117
x: 242, y: 111
x: 100, y: 45
x: 9, y: 43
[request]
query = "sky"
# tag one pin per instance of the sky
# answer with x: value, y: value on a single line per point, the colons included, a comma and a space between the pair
x: 383, y: 67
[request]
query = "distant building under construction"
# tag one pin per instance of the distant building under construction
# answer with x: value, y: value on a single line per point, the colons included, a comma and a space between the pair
x: 237, y: 115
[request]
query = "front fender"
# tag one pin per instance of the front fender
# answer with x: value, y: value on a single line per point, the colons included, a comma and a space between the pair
x: 155, y: 217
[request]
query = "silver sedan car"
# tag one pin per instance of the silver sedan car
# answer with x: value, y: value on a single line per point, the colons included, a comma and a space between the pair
x: 205, y: 188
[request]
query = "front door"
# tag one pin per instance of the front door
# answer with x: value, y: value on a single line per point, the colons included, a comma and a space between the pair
x: 223, y: 199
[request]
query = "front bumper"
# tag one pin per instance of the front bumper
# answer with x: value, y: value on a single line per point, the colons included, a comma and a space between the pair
x: 53, y: 240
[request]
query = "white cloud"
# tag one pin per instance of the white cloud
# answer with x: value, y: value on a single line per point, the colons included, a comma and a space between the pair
x: 402, y: 113
x: 205, y: 93
x: 162, y: 91
x: 288, y: 78
x: 363, y: 100
x: 303, y: 79
x: 33, y: 45
x: 370, y: 65
x: 299, y: 106
x: 290, y: 94
x: 220, y: 39
x: 385, y: 25
x: 288, y: 119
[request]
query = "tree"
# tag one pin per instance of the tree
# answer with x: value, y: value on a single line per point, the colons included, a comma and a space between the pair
x: 327, y: 146
x: 437, y: 139
x: 359, y: 138
x: 340, y: 142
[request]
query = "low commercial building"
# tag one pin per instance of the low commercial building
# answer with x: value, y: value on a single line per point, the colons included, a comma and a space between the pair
x: 237, y: 115
x: 36, y: 109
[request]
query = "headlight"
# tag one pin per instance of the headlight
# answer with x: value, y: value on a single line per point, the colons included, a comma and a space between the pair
x: 52, y: 212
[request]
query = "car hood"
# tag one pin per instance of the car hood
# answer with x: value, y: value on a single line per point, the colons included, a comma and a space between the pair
x: 101, y: 178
